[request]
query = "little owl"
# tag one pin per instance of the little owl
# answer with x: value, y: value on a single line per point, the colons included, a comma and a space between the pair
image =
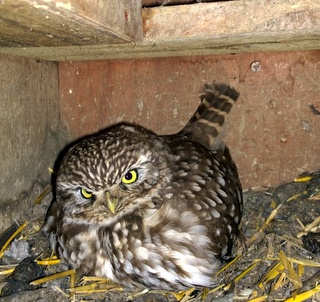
x: 147, y: 210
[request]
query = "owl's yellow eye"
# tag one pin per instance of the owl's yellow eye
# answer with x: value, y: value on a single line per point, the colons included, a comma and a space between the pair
x: 130, y: 177
x: 86, y: 194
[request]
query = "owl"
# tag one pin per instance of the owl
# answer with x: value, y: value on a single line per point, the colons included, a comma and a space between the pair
x: 158, y: 212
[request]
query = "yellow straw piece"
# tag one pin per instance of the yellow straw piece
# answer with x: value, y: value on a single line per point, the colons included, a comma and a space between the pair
x: 296, y: 196
x: 100, y: 280
x: 204, y: 294
x: 259, y: 299
x: 6, y: 272
x: 300, y: 269
x: 273, y: 273
x: 51, y: 171
x: 53, y: 257
x: 86, y: 289
x: 73, y: 279
x: 12, y: 237
x: 216, y: 288
x: 255, y: 236
x: 273, y: 204
x: 182, y: 294
x: 228, y: 264
x: 89, y: 291
x: 303, y: 178
x: 48, y: 261
x: 315, y: 196
x: 42, y: 195
x: 280, y: 281
x: 305, y: 262
x: 312, y: 225
x: 291, y: 273
x: 241, y: 275
x: 72, y: 285
x: 245, y: 272
x: 136, y: 295
x: 304, y: 296
x: 53, y: 277
x: 57, y: 288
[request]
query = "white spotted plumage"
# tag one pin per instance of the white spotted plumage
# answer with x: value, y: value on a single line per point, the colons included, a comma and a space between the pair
x: 169, y: 227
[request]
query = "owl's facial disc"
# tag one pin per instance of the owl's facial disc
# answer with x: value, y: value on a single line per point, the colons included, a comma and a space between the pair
x: 111, y: 199
x: 113, y: 174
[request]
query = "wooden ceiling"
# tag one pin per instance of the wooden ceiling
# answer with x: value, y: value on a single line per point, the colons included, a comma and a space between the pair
x: 108, y: 29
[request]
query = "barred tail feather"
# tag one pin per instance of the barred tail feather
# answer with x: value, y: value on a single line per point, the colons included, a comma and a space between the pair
x: 216, y: 102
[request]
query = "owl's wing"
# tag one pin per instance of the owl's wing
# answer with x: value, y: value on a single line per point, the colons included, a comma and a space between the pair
x: 216, y: 102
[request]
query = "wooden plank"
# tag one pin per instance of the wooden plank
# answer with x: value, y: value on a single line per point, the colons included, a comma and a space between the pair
x: 207, y: 28
x: 30, y: 136
x: 186, y: 47
x: 47, y: 23
x: 232, y: 19
x: 271, y: 131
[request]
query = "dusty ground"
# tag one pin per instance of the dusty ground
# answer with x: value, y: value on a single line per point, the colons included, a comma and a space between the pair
x: 283, y: 253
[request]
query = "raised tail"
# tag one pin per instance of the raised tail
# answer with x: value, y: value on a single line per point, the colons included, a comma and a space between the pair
x: 216, y: 102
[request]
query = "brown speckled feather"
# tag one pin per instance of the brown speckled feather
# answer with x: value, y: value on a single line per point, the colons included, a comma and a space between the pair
x: 149, y: 210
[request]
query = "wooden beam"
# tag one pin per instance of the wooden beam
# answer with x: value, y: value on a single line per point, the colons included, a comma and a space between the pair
x: 167, y: 48
x: 49, y: 23
x: 233, y: 19
x: 206, y: 28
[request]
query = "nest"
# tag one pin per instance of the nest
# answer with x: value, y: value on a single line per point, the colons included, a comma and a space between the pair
x: 276, y: 258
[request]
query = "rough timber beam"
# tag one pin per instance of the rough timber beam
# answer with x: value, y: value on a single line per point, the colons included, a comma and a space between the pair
x: 205, y: 28
x: 50, y: 23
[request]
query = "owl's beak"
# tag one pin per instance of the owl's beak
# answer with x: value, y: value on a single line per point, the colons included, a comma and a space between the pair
x: 111, y: 203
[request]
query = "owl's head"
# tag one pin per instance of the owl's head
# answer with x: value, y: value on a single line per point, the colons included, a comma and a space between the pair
x: 112, y: 173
